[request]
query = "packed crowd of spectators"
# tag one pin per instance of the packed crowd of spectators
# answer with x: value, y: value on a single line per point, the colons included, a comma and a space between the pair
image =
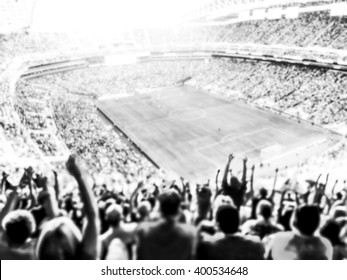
x: 313, y: 94
x: 89, y: 136
x: 16, y: 142
x: 301, y: 31
x: 309, y: 29
x: 309, y: 35
x: 32, y: 106
x: 37, y: 45
x: 306, y: 30
x: 42, y: 218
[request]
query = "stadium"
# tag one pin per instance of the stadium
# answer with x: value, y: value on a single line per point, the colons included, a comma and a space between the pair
x: 211, y: 129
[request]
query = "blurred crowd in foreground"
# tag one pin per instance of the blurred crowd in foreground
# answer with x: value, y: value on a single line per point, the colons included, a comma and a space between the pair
x: 43, y: 219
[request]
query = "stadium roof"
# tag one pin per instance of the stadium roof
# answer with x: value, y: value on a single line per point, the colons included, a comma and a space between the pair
x: 220, y: 8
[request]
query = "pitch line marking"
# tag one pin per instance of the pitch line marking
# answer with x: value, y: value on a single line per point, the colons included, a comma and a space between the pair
x: 223, y: 140
x: 188, y: 111
x: 287, y: 134
x: 260, y: 147
x: 161, y: 96
x: 294, y: 150
x: 200, y: 149
x: 231, y: 139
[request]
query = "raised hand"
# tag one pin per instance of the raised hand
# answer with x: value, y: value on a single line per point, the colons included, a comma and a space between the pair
x: 26, y: 178
x: 29, y: 172
x: 156, y: 190
x: 217, y: 175
x: 140, y: 185
x: 187, y: 185
x: 231, y: 157
x: 89, y: 246
x: 73, y: 166
x: 320, y: 175
x: 41, y: 181
x: 5, y: 175
x: 326, y: 179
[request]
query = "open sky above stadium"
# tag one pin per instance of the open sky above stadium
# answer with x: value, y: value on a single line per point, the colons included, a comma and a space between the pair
x: 108, y: 15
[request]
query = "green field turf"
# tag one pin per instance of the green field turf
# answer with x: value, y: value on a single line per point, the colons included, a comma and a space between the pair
x: 190, y: 133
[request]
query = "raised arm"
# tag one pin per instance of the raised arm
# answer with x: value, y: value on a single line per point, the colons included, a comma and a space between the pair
x: 345, y: 191
x: 282, y: 198
x: 6, y: 184
x: 11, y: 203
x: 216, y: 182
x: 226, y: 171
x: 90, y: 235
x: 183, y: 185
x: 274, y: 186
x: 32, y: 196
x: 281, y: 204
x: 189, y: 193
x: 316, y: 183
x: 297, y: 199
x: 252, y: 182
x: 328, y: 203
x: 250, y: 194
x: 186, y: 190
x: 3, y: 182
x: 175, y: 187
x: 326, y: 182
x: 156, y: 191
x: 52, y: 209
x: 244, y: 173
x: 134, y: 195
x: 56, y: 185
x: 333, y: 189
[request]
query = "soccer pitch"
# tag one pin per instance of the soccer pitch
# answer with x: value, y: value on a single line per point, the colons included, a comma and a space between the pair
x: 191, y: 133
